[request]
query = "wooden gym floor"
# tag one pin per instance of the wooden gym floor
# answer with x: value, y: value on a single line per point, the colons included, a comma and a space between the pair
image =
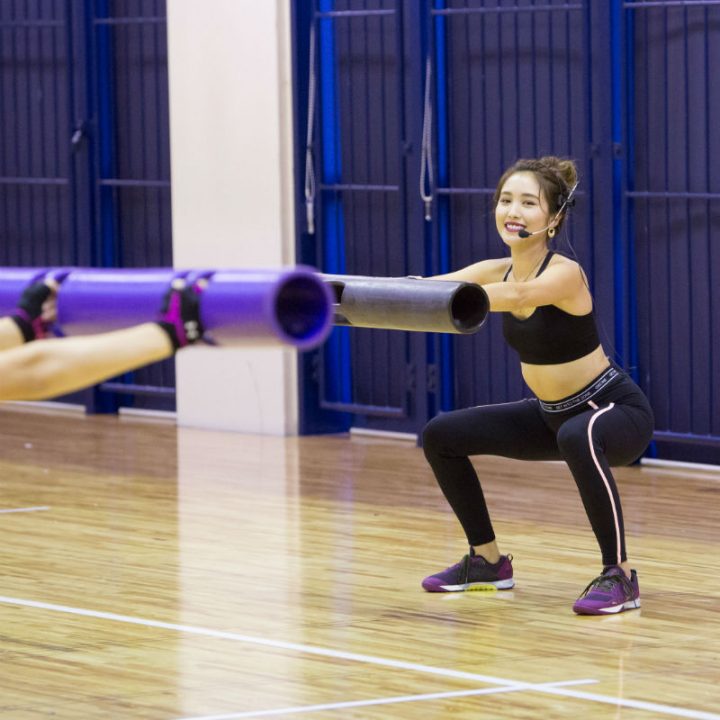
x: 150, y: 572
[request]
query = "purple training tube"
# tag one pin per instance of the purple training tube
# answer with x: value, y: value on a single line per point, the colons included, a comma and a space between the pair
x: 238, y: 307
x: 94, y: 300
x: 267, y: 307
x: 12, y: 283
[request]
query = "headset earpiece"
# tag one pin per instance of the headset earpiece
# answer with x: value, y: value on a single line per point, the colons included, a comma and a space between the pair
x: 567, y: 202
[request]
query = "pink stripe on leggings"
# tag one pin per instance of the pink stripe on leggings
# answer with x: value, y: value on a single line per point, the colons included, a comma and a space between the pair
x: 605, y: 480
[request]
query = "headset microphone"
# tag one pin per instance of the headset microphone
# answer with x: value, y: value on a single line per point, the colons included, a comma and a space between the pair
x: 525, y: 234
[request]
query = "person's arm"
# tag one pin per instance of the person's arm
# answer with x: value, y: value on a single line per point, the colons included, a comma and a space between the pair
x: 35, y: 313
x: 41, y: 370
x: 10, y: 335
x: 479, y: 273
x: 561, y: 282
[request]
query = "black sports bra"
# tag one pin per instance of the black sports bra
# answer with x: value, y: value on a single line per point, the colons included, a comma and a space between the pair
x: 550, y: 336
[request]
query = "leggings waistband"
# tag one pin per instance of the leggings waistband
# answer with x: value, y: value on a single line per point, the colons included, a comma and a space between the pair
x: 584, y: 395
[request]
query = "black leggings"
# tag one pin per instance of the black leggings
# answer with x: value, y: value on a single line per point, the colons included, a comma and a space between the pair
x: 610, y: 428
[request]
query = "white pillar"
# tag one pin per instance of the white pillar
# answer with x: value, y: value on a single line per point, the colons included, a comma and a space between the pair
x: 232, y: 195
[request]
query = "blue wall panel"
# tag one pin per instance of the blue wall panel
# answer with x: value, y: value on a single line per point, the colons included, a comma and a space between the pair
x: 84, y: 145
x: 514, y: 87
x: 624, y: 88
x: 362, y: 194
x: 36, y: 164
x: 129, y: 94
x: 675, y: 203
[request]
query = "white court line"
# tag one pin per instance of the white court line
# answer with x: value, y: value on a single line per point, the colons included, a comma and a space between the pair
x: 39, y: 508
x: 266, y: 642
x: 379, y: 701
x: 356, y: 657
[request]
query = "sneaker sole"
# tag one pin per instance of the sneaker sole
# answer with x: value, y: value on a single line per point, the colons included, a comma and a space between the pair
x: 475, y: 587
x: 630, y: 605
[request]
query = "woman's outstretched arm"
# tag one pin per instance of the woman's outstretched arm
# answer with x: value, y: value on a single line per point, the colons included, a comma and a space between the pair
x: 10, y: 335
x: 46, y: 369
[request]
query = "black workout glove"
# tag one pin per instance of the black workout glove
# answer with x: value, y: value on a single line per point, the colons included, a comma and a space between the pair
x: 180, y: 315
x: 28, y: 314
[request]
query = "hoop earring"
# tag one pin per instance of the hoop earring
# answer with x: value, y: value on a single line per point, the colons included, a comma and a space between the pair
x: 551, y: 232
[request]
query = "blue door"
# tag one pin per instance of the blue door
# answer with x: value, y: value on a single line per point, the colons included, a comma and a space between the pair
x: 361, y: 71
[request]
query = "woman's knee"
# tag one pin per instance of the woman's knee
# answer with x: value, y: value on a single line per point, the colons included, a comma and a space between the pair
x: 460, y: 434
x: 614, y: 436
x: 437, y: 436
x: 573, y: 437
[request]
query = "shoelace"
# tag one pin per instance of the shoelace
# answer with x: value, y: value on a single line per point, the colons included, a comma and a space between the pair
x: 606, y: 582
x: 463, y: 567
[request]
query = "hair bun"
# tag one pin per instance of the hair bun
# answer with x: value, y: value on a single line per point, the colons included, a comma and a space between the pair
x: 564, y: 168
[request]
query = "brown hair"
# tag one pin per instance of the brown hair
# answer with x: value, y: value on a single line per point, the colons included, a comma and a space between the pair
x: 556, y: 177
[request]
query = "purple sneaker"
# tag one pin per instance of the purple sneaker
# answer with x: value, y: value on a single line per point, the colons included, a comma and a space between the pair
x: 473, y: 572
x: 611, y: 592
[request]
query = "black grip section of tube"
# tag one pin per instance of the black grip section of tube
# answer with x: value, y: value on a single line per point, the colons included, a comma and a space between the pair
x: 403, y: 304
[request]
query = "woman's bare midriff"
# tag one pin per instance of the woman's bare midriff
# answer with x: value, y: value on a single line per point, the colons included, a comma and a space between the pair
x: 555, y: 382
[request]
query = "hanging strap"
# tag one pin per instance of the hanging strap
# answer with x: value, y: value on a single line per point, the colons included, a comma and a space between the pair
x: 309, y: 154
x: 426, y: 167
